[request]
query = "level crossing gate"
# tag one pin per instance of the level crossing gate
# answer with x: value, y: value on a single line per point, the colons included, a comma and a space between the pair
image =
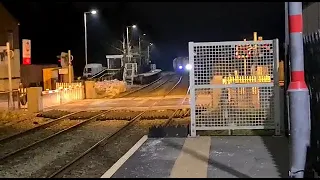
x: 234, y: 85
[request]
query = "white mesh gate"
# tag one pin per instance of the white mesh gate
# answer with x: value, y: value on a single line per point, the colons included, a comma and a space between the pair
x: 234, y: 85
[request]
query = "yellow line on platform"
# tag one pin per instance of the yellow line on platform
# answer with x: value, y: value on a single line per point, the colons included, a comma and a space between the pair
x: 193, y: 159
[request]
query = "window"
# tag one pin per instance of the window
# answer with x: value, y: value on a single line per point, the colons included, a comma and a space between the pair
x: 88, y: 70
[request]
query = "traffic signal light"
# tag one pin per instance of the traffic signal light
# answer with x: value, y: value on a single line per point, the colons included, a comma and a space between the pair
x: 63, y: 59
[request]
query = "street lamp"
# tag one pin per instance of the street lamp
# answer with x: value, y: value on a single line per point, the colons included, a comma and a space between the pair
x: 85, y: 32
x: 128, y: 43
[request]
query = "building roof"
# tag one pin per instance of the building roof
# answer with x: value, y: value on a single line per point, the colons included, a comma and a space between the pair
x: 3, y: 8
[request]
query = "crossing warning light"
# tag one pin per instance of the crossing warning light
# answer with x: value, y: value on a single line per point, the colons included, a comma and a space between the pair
x: 63, y: 59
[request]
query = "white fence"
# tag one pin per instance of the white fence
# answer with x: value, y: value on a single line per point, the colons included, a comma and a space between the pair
x: 68, y: 85
x: 63, y: 95
x: 234, y: 85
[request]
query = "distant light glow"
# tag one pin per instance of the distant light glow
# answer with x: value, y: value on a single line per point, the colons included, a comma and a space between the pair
x: 180, y: 67
x: 151, y: 44
x: 94, y: 12
x: 134, y: 26
x: 188, y: 67
x: 144, y: 34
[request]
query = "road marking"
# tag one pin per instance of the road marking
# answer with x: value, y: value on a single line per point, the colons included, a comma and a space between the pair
x: 109, y: 173
x: 193, y: 159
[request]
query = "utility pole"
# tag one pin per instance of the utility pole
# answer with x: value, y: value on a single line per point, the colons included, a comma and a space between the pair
x: 128, y: 44
x: 69, y: 66
x: 123, y: 61
x: 85, y: 37
x: 148, y: 54
x: 140, y: 58
x: 9, y: 75
x: 299, y: 107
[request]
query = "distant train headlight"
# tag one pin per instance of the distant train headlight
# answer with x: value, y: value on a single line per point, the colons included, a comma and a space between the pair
x: 188, y: 67
x: 180, y: 67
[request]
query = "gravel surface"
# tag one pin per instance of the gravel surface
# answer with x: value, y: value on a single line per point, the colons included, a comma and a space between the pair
x: 166, y: 114
x: 53, y: 114
x: 158, y: 114
x: 26, y: 140
x: 180, y: 121
x: 101, y: 159
x: 119, y: 115
x: 182, y: 113
x: 8, y: 118
x: 48, y: 157
x: 24, y: 125
x: 84, y: 115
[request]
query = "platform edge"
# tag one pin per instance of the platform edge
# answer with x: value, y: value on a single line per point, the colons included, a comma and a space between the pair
x: 114, y: 168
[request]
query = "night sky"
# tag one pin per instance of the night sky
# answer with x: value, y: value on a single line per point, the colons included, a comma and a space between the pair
x: 55, y: 27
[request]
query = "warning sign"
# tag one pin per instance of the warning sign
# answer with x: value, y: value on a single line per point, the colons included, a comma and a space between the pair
x: 26, y: 51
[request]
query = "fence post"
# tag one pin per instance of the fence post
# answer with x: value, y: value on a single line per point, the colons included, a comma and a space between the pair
x: 90, y: 90
x: 34, y: 95
x: 298, y: 94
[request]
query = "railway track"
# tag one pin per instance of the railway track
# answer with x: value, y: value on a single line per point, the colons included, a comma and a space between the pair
x: 182, y: 87
x: 37, y: 140
x: 150, y: 87
x: 30, y: 131
x: 114, y: 137
x: 62, y: 118
x: 33, y: 138
x: 141, y: 88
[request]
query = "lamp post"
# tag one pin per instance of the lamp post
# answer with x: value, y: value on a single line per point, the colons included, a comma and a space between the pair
x: 140, y: 45
x: 85, y: 32
x: 128, y: 42
x: 149, y: 52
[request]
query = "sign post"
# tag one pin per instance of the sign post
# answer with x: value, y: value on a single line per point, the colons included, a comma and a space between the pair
x: 9, y: 75
x: 26, y: 51
x: 70, y: 57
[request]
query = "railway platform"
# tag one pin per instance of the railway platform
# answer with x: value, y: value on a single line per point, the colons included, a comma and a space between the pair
x: 204, y: 157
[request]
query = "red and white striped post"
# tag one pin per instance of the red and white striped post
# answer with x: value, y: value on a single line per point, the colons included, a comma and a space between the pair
x: 299, y: 104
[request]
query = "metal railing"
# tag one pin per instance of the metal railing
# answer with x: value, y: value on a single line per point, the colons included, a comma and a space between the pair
x: 234, y: 85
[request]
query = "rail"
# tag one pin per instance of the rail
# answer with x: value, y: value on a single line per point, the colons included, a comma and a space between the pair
x: 167, y: 78
x: 109, y: 137
x: 29, y: 131
x: 141, y: 88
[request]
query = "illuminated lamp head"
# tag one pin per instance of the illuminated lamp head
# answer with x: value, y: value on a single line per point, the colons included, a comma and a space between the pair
x: 188, y: 67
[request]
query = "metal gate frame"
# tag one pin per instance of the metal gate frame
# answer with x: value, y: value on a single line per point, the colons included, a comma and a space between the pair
x: 130, y: 67
x: 274, y: 86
